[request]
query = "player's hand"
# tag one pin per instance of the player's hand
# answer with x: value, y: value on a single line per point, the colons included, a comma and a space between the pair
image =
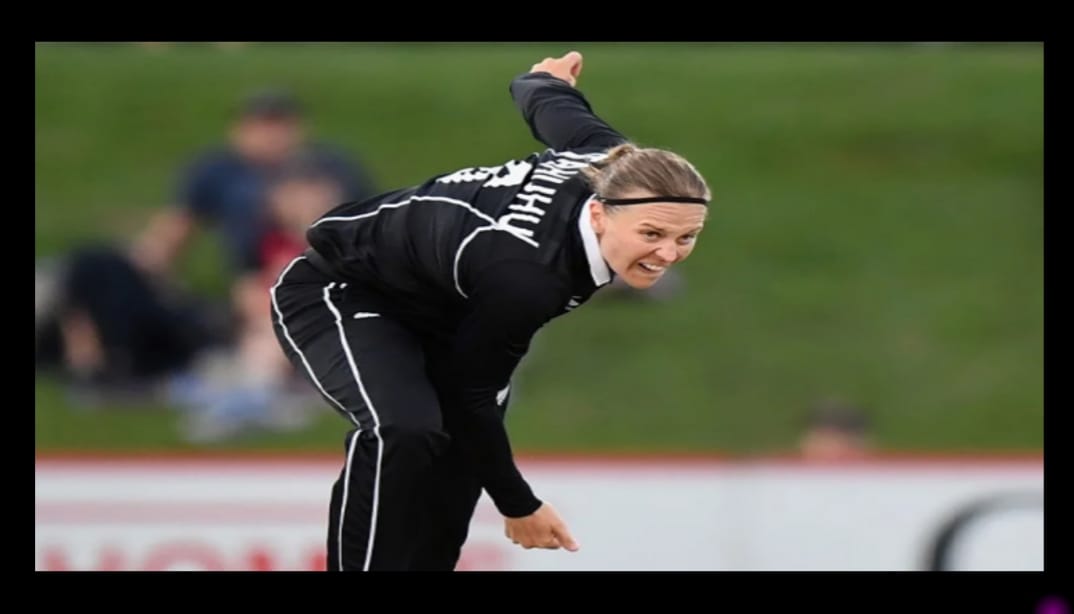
x: 567, y: 67
x: 541, y: 529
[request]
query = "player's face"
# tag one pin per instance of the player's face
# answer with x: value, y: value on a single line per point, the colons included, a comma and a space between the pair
x: 640, y: 242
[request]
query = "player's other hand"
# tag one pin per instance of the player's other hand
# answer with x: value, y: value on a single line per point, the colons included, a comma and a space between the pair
x: 541, y: 529
x: 567, y: 67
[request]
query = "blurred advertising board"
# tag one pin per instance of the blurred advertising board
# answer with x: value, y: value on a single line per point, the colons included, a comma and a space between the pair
x: 628, y: 513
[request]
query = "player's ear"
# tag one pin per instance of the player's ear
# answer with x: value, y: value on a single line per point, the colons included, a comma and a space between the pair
x: 597, y: 215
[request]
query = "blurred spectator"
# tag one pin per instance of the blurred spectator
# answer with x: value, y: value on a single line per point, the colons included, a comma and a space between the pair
x: 835, y: 431
x: 112, y: 330
x: 111, y: 320
x: 225, y: 187
x: 263, y: 391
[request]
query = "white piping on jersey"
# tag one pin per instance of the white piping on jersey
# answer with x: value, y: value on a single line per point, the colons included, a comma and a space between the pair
x: 365, y: 314
x: 554, y: 173
x: 598, y: 268
x: 294, y: 346
x: 458, y: 256
x: 376, y: 433
x: 348, y: 218
x: 353, y: 443
x: 443, y: 199
x: 493, y: 225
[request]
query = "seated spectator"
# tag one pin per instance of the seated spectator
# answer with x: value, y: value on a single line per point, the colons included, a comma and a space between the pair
x: 111, y: 329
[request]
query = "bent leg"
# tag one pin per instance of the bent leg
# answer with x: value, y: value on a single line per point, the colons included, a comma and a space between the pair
x: 372, y: 370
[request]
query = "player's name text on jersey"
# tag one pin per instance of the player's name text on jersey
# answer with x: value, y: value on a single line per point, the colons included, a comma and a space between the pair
x: 528, y: 206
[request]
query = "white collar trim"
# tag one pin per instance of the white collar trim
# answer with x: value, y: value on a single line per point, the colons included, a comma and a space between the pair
x: 597, y: 267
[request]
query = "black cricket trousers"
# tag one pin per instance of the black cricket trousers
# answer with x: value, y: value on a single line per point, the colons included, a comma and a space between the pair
x: 405, y: 496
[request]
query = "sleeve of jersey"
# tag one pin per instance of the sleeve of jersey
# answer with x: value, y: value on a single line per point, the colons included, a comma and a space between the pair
x: 559, y: 115
x: 510, y: 302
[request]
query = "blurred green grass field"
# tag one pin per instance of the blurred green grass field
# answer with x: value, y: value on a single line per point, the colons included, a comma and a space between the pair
x: 877, y: 233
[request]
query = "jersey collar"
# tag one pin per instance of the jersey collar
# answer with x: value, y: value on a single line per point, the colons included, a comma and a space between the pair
x: 597, y: 267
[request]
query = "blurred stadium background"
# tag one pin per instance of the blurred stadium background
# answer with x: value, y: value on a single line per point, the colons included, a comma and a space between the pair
x: 877, y: 233
x: 876, y: 236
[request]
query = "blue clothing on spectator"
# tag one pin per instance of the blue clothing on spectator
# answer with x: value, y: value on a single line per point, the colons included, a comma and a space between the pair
x: 227, y: 191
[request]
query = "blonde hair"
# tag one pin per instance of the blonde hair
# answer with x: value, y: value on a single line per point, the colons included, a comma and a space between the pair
x: 628, y: 167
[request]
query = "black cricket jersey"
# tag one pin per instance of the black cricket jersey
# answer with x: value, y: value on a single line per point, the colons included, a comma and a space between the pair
x: 481, y: 258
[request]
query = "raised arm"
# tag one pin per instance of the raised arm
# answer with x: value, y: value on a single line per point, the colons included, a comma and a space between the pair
x: 558, y: 114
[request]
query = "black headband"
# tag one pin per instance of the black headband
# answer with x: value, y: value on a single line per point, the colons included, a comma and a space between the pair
x: 653, y: 199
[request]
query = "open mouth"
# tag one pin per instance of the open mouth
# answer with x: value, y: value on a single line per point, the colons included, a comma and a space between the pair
x: 652, y: 268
